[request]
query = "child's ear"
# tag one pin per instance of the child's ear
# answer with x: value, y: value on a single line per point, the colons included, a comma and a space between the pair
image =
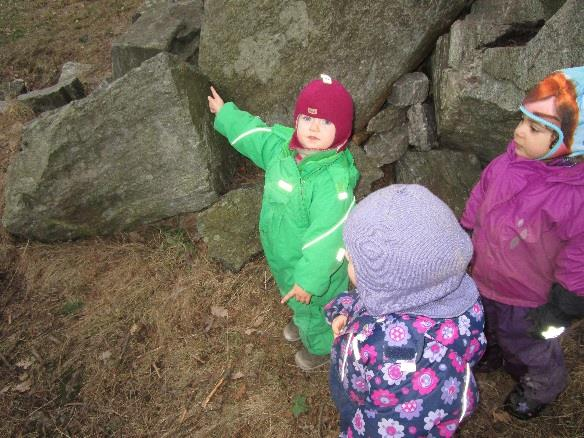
x: 554, y: 139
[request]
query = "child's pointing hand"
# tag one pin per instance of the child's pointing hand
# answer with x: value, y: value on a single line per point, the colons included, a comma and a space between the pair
x: 297, y: 292
x: 215, y: 101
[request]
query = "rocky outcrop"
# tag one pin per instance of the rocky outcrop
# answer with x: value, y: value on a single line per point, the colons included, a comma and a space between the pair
x: 53, y: 97
x: 172, y: 27
x: 230, y: 227
x: 450, y: 175
x: 484, y: 66
x: 139, y: 150
x: 261, y: 52
x: 11, y: 89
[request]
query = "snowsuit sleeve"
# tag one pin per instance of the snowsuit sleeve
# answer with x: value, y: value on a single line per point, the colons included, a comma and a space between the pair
x: 344, y: 304
x: 248, y: 134
x: 323, y: 247
x: 569, y: 270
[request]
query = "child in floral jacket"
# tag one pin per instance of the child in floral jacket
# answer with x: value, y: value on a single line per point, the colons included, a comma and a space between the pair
x: 409, y: 334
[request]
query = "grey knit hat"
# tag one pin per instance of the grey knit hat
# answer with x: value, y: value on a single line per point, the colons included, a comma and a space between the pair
x: 410, y: 254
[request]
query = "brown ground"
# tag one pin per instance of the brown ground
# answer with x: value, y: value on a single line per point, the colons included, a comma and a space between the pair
x: 128, y: 336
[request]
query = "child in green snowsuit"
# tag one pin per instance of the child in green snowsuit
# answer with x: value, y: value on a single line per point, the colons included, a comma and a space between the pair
x: 308, y: 192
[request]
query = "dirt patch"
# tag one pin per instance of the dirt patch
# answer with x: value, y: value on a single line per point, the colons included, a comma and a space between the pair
x: 134, y: 335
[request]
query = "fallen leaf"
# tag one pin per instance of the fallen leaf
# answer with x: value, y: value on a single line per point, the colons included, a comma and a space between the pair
x: 501, y: 417
x: 25, y: 363
x: 219, y: 312
x: 135, y: 327
x: 23, y: 377
x: 240, y: 392
x: 23, y: 387
x: 251, y: 331
x: 105, y: 355
x: 237, y: 375
x: 259, y: 321
x: 5, y: 389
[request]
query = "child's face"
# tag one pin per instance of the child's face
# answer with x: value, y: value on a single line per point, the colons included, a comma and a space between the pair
x: 532, y: 139
x: 315, y: 133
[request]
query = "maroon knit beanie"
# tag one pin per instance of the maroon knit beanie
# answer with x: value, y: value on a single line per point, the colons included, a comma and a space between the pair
x: 326, y: 99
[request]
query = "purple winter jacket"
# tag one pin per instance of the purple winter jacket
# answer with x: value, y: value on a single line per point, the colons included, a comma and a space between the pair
x: 527, y: 219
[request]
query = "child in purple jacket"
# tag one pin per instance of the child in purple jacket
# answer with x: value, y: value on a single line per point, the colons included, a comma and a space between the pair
x: 527, y: 219
x: 408, y: 335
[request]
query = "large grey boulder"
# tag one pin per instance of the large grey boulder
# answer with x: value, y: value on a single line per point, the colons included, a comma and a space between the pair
x: 387, y: 119
x: 484, y: 66
x: 450, y: 175
x: 422, y: 127
x: 230, y: 227
x: 368, y: 169
x: 163, y: 26
x: 140, y: 150
x: 410, y: 89
x: 261, y: 52
x: 387, y: 147
x: 71, y: 70
x: 53, y: 97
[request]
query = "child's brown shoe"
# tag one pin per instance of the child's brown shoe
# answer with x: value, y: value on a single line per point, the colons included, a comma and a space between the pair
x: 308, y: 361
x: 291, y: 333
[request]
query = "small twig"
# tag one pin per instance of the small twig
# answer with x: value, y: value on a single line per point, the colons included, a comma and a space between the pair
x: 219, y: 383
x: 42, y: 406
x: 198, y: 359
x: 156, y: 369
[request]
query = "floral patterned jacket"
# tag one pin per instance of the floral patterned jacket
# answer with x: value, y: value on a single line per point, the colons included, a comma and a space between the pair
x: 405, y: 375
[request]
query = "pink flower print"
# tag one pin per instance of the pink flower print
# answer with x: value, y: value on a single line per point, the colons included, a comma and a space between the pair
x: 433, y: 419
x: 464, y: 325
x: 447, y: 333
x: 368, y: 354
x: 412, y: 430
x: 358, y: 422
x: 457, y: 361
x: 355, y: 327
x: 450, y: 390
x: 410, y: 409
x: 447, y: 428
x: 346, y: 301
x: 356, y: 398
x: 367, y: 330
x: 392, y: 373
x: 434, y: 351
x: 422, y: 324
x: 476, y: 311
x: 471, y: 349
x: 359, y: 383
x: 388, y: 428
x: 349, y: 433
x: 383, y: 398
x: 425, y: 380
x: 397, y: 334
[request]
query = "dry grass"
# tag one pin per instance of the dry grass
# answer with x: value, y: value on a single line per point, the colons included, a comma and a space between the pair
x: 123, y: 336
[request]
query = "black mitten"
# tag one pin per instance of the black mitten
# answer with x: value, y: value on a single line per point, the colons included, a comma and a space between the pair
x: 552, y: 318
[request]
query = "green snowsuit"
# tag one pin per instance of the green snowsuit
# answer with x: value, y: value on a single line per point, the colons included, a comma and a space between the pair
x: 303, y: 209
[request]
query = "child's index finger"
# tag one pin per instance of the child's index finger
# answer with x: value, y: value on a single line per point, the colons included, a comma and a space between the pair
x: 214, y: 92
